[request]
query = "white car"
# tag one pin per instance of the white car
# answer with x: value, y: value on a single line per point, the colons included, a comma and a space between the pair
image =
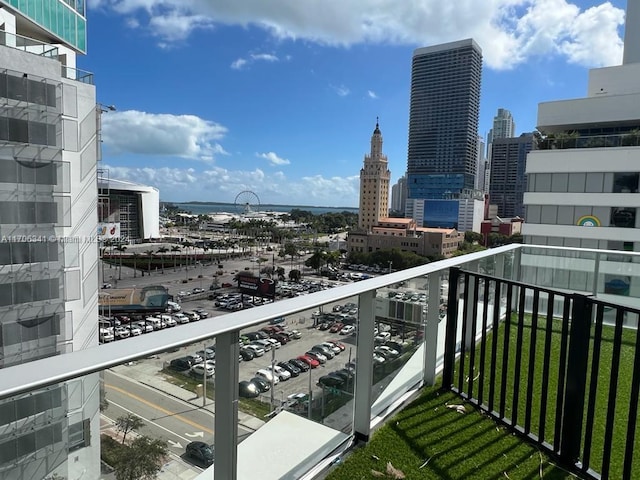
x: 382, y: 337
x: 134, y: 330
x: 121, y: 332
x: 198, y: 369
x: 274, y: 343
x: 268, y: 376
x: 387, y: 351
x: 257, y: 350
x: 334, y: 348
x: 181, y: 318
x: 347, y: 330
x: 280, y: 372
x: 145, y: 327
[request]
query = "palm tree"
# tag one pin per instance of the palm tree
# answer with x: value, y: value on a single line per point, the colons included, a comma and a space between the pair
x: 149, y: 253
x: 135, y: 263
x: 186, y: 245
x: 120, y: 248
x: 162, y: 250
x: 174, y: 249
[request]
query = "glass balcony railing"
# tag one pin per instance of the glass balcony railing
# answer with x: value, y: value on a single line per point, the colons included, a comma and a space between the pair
x: 36, y: 47
x: 362, y: 350
x: 564, y: 141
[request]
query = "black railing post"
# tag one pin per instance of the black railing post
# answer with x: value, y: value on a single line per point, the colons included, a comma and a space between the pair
x: 452, y: 321
x: 576, y: 378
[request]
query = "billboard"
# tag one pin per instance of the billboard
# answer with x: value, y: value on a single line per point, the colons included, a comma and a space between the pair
x: 108, y: 231
x: 258, y: 287
x: 152, y: 298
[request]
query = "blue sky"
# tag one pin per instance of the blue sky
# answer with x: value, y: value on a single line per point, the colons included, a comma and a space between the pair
x: 280, y: 97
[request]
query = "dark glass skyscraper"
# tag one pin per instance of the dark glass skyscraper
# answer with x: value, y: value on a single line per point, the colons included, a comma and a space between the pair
x: 443, y: 120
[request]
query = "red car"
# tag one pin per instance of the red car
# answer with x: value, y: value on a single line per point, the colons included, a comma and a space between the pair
x: 336, y: 327
x: 312, y: 362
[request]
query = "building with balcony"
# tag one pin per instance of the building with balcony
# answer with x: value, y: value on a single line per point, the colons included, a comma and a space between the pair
x: 48, y: 253
x: 583, y: 175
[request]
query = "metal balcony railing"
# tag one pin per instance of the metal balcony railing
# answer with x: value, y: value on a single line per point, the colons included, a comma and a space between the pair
x: 410, y: 303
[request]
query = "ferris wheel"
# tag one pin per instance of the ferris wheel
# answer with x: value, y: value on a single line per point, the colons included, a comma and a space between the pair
x: 246, y: 202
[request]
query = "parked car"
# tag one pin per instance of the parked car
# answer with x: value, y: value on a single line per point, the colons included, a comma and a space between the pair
x: 268, y: 376
x: 180, y: 364
x: 198, y: 290
x: 248, y: 389
x: 181, y: 317
x: 247, y: 353
x: 309, y: 360
x: 261, y: 383
x: 338, y: 344
x: 324, y: 350
x: 347, y: 330
x: 336, y: 327
x: 331, y: 381
x: 134, y: 330
x: 281, y: 373
x: 290, y: 367
x: 387, y: 351
x: 105, y: 335
x: 121, y: 332
x: 193, y: 316
x: 274, y: 343
x: 382, y: 337
x: 201, y: 312
x: 201, y: 451
x: 317, y: 355
x: 282, y: 338
x: 302, y: 365
x: 295, y: 334
x: 199, y: 369
x: 195, y: 358
x: 264, y: 344
x: 334, y: 348
x: 256, y: 349
x: 207, y: 353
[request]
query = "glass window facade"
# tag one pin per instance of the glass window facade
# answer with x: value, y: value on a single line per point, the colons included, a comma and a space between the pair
x: 63, y: 18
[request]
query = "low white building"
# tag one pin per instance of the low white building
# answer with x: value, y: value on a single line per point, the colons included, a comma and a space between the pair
x: 135, y: 207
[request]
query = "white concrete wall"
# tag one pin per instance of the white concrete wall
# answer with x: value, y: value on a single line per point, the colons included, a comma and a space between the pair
x: 151, y: 213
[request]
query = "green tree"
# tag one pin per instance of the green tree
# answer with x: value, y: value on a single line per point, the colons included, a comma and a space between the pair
x: 127, y: 423
x: 174, y: 250
x: 149, y: 254
x: 294, y: 275
x: 473, y: 237
x: 162, y: 250
x: 315, y: 261
x: 135, y: 256
x: 142, y: 460
x: 120, y: 248
x: 291, y: 250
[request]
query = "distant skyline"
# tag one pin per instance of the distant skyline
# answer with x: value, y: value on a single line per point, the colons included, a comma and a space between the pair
x: 215, y: 97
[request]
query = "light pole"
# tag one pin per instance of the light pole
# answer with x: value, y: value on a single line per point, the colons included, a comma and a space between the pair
x: 273, y: 374
x: 390, y: 265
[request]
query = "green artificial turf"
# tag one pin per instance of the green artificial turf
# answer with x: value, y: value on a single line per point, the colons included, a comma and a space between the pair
x: 429, y: 440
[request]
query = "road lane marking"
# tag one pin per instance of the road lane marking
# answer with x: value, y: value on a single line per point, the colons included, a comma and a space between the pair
x: 147, y: 420
x: 158, y: 407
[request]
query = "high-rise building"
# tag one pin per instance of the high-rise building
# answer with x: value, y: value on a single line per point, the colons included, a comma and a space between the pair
x: 399, y: 195
x: 508, y: 178
x: 374, y: 185
x: 443, y: 129
x: 583, y: 178
x: 503, y: 126
x: 48, y: 252
x: 481, y: 166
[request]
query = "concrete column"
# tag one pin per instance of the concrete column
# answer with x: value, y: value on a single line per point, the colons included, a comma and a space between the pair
x: 364, y: 366
x: 431, y: 329
x: 632, y: 33
x: 226, y: 402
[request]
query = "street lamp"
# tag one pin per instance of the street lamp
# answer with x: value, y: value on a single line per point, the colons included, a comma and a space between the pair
x: 390, y: 265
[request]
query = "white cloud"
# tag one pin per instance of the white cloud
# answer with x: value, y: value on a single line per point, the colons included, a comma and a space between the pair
x: 509, y: 31
x: 267, y: 57
x: 177, y: 184
x: 341, y: 90
x: 372, y: 94
x: 238, y: 64
x: 254, y: 57
x: 273, y: 158
x: 142, y: 133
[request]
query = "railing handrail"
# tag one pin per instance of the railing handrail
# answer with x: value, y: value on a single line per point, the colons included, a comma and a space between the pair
x: 40, y: 373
